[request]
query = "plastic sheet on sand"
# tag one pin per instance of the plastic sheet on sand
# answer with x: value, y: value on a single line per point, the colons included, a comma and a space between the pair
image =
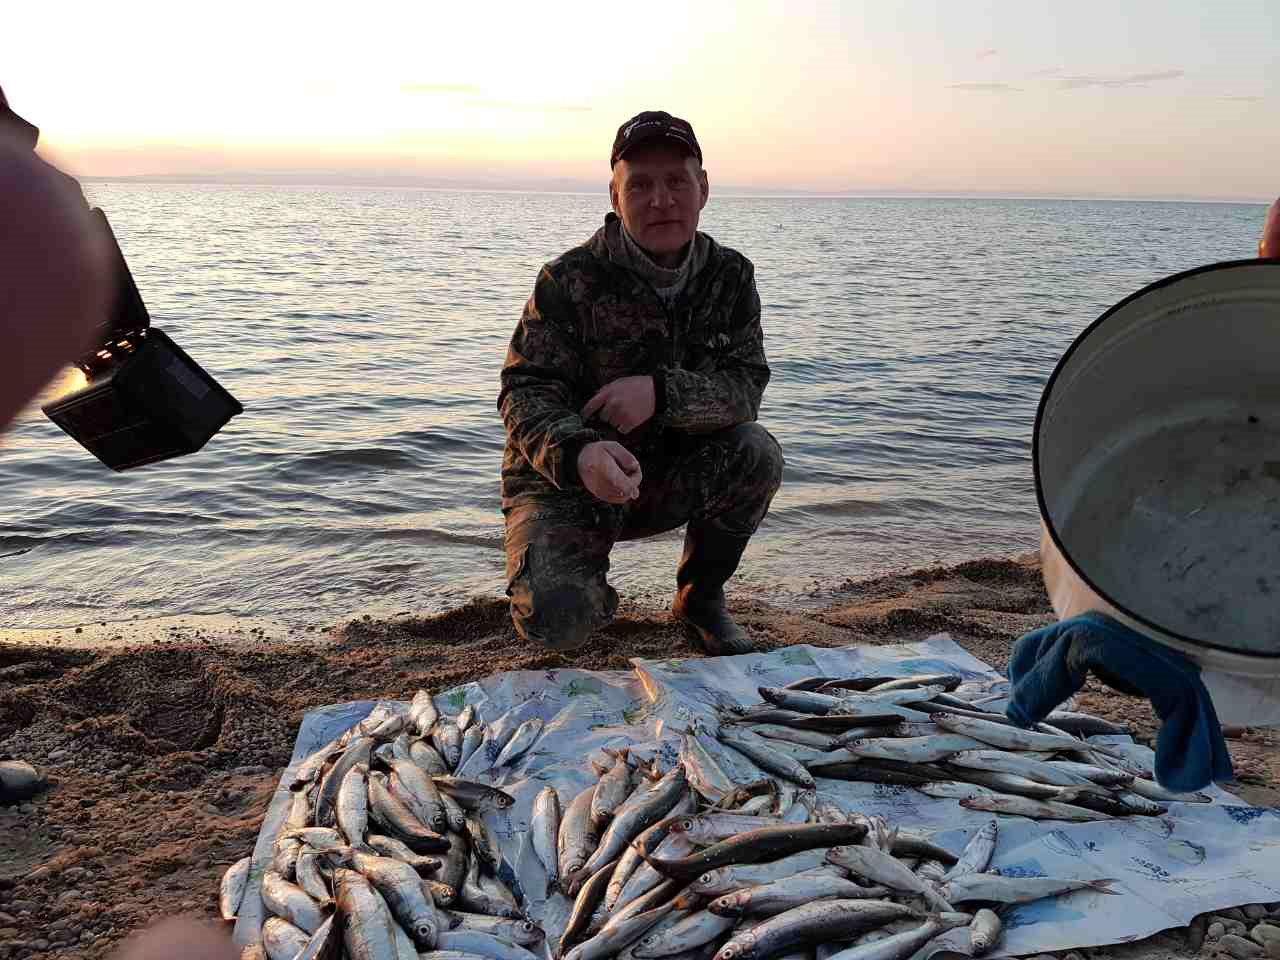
x: 1168, y: 869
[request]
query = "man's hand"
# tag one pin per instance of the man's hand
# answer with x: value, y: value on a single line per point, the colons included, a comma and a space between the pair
x: 624, y: 404
x: 1269, y: 245
x: 609, y: 471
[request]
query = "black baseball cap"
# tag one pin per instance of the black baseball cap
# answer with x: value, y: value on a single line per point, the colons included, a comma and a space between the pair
x: 653, y: 125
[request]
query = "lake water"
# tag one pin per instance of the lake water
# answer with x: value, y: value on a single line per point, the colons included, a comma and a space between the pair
x: 364, y: 331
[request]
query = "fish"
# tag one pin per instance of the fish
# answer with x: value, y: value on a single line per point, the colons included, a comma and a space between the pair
x: 483, y: 944
x: 577, y: 838
x: 1134, y: 802
x: 1003, y: 762
x: 282, y: 940
x: 483, y: 843
x: 1010, y: 783
x: 908, y: 843
x: 666, y: 890
x: 883, y: 869
x: 472, y: 795
x: 1151, y: 790
x: 311, y: 879
x: 352, y: 808
x: 454, y: 815
x: 893, y: 772
x: 401, y: 888
x: 902, y: 696
x: 823, y: 704
x: 767, y: 843
x: 899, y: 946
x: 614, y: 787
x: 399, y: 819
x: 931, y: 871
x: 442, y: 895
x: 812, y: 923
x: 299, y: 811
x: 323, y: 944
x: 317, y: 838
x: 947, y: 681
x: 696, y: 930
x: 397, y: 850
x: 358, y: 751
x: 419, y: 794
x: 231, y: 889
x: 977, y: 852
x: 427, y: 758
x: 1085, y: 725
x: 472, y: 737
x: 646, y: 877
x: 544, y: 832
x: 708, y: 828
x: 589, y: 895
x: 984, y: 931
x: 368, y: 930
x: 997, y: 889
x: 520, y: 742
x: 954, y: 790
x: 759, y: 752
x: 637, y: 815
x: 1103, y: 776
x: 704, y: 773
x: 722, y: 880
x: 453, y: 860
x: 465, y: 716
x: 448, y: 740
x: 290, y: 901
x: 310, y: 767
x: 770, y: 898
x: 284, y: 859
x: 1037, y: 809
x: 616, y: 935
x: 422, y: 712
x: 913, y: 749
x: 485, y: 894
x: 1008, y: 737
x: 524, y: 933
x: 797, y: 735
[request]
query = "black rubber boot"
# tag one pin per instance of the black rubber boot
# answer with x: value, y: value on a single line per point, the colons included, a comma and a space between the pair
x: 709, y: 560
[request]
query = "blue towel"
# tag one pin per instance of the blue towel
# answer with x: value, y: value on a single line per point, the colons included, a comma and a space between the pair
x: 1050, y: 664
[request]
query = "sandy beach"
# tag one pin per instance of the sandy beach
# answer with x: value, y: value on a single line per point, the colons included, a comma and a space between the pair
x: 164, y: 739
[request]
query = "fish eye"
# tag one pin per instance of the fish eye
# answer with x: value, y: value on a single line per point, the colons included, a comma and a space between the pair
x: 686, y: 823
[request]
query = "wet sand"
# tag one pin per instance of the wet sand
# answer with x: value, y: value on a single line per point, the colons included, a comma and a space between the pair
x: 164, y: 739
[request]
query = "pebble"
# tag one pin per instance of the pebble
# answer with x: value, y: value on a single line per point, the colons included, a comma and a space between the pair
x: 58, y: 754
x: 40, y: 946
x: 1215, y: 931
x: 1264, y: 932
x: 1235, y: 913
x: 1240, y: 947
x: 1255, y: 911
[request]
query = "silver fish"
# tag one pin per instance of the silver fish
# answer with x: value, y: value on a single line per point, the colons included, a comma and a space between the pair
x: 311, y: 879
x: 231, y: 890
x: 636, y: 816
x: 389, y: 811
x: 545, y: 830
x: 977, y: 852
x: 708, y: 828
x: 368, y: 928
x: 645, y: 877
x: 1022, y: 786
x: 465, y: 716
x: 647, y: 842
x: 1134, y: 801
x: 288, y: 900
x: 472, y: 737
x: 1103, y: 776
x: 483, y: 843
x: 448, y: 740
x: 899, y: 946
x: 397, y: 850
x: 694, y: 931
x: 474, y: 796
x: 317, y: 838
x: 481, y: 894
x: 1151, y: 790
x: 524, y: 933
x: 703, y: 772
x: 759, y: 752
x: 805, y: 738
x: 1010, y: 738
x: 484, y: 944
x: 902, y: 695
x: 423, y: 798
x: 401, y: 888
x: 282, y: 940
x: 811, y: 923
x: 997, y: 889
x: 943, y: 681
x: 320, y: 945
x: 284, y: 858
x: 1020, y: 766
x: 454, y: 815
x: 454, y: 860
x: 384, y: 754
x: 427, y: 758
x: 1036, y: 809
x: 931, y: 871
x: 358, y: 751
x: 791, y: 892
x: 614, y: 787
x: 884, y: 869
x: 984, y: 931
x: 299, y: 811
x: 614, y: 936
x: 405, y: 949
x: 524, y: 737
x: 577, y: 838
x: 954, y: 790
x: 422, y: 712
x: 723, y: 880
x: 352, y: 808
x: 309, y: 768
x: 913, y: 749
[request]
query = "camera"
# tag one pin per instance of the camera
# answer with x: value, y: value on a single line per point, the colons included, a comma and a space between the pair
x: 142, y: 398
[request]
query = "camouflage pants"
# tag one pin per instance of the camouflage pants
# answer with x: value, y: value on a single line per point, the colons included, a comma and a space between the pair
x: 558, y: 544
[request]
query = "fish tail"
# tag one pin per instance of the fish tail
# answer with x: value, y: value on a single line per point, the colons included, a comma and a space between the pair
x: 1103, y: 886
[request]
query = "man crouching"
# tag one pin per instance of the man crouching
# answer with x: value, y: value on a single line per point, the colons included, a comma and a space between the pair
x: 629, y: 395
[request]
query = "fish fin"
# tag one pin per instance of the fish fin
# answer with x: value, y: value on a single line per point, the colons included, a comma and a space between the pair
x: 1103, y: 886
x: 599, y: 769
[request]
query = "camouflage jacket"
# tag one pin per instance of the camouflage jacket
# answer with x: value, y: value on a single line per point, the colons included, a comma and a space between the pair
x: 591, y: 321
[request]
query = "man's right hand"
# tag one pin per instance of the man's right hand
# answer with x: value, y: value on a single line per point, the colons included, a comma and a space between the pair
x: 609, y: 471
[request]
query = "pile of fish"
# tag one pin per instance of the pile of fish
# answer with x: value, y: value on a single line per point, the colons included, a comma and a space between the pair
x: 386, y: 856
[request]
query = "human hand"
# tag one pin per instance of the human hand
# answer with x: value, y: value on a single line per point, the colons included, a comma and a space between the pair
x: 624, y: 404
x: 178, y: 937
x: 609, y: 471
x: 1269, y: 245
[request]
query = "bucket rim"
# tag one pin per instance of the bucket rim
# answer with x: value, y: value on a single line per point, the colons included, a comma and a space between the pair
x: 1251, y: 263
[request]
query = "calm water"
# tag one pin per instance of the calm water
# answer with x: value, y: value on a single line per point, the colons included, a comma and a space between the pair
x: 364, y: 330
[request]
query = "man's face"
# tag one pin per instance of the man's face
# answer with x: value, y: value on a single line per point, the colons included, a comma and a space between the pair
x: 658, y: 190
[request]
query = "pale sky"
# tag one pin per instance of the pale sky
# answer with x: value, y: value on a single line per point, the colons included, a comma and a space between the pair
x: 1027, y: 97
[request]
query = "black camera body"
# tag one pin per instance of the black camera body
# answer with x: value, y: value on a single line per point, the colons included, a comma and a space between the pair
x: 144, y: 399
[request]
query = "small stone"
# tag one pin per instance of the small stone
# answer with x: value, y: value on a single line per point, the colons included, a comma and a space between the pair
x: 40, y: 946
x: 1240, y: 947
x: 1236, y: 927
x: 1264, y: 932
x: 58, y: 754
x: 1235, y: 913
x: 1254, y: 911
x: 1215, y: 931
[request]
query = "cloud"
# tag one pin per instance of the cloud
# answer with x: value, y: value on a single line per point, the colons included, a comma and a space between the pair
x: 529, y: 107
x: 1080, y: 82
x: 988, y: 52
x: 439, y: 88
x: 985, y: 87
x: 1047, y: 72
x: 1240, y: 99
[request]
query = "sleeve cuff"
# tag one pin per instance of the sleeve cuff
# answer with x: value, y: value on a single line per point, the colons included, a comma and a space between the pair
x: 659, y: 394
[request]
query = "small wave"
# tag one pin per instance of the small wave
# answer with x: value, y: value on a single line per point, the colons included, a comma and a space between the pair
x: 323, y: 462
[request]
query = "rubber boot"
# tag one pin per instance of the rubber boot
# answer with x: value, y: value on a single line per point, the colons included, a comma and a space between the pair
x: 709, y: 560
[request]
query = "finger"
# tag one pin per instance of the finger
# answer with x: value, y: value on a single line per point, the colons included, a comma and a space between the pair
x: 619, y: 484
x: 623, y: 458
x: 595, y: 403
x: 1269, y: 246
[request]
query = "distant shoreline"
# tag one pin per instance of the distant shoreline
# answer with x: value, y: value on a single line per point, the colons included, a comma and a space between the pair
x: 583, y: 189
